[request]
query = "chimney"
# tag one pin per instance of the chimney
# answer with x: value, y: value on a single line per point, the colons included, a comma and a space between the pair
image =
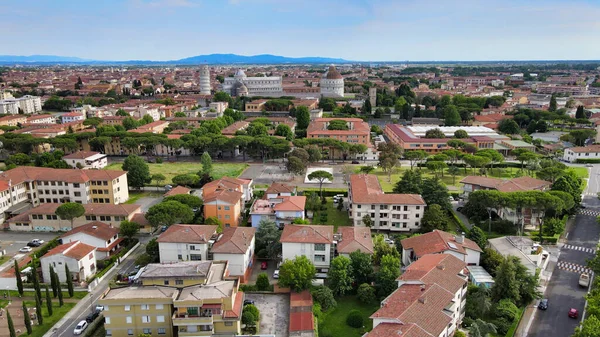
x: 423, y: 299
x: 441, y: 266
x: 461, y: 238
x: 422, y: 287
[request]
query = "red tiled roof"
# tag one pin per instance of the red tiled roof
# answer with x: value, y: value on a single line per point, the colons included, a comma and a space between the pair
x: 436, y: 242
x: 237, y: 307
x: 81, y: 155
x: 230, y: 197
x: 178, y: 190
x: 28, y: 173
x: 292, y: 203
x: 235, y: 240
x: 188, y: 234
x: 441, y: 269
x: 76, y: 250
x: 365, y: 189
x: 307, y: 233
x: 511, y: 185
x: 585, y: 149
x: 96, y: 229
x: 355, y: 238
x: 279, y: 188
x: 397, y: 330
x: 302, y: 321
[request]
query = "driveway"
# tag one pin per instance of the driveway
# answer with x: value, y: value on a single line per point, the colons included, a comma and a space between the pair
x: 272, y: 265
x: 274, y: 313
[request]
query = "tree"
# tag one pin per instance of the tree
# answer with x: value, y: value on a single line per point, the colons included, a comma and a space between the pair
x: 435, y: 192
x: 414, y: 157
x: 314, y: 153
x: 158, y: 178
x: 138, y: 172
x: 129, y: 123
x: 70, y: 211
x: 11, y: 325
x: 59, y: 290
x: 27, y: 319
x: 267, y: 240
x: 366, y: 293
x: 553, y: 105
x: 367, y: 169
x: 386, y: 277
x: 321, y: 176
x: 340, y: 275
x: 381, y: 249
x: 367, y: 221
x: 480, y: 328
x: 38, y: 310
x: 589, y: 328
x: 188, y: 179
x: 48, y: 301
x: 121, y: 112
x: 434, y: 133
x: 168, y: 213
x: 248, y: 318
x: 389, y: 157
x: 35, y: 278
x: 69, y: 278
x: 206, y: 162
x: 297, y: 273
x: 506, y: 285
x: 262, y: 282
x: 451, y: 116
x: 302, y: 117
x: 478, y: 236
x: 129, y: 229
x: 508, y: 126
x: 434, y: 218
x: 53, y: 284
x: 295, y: 165
x: 324, y: 297
x: 580, y: 114
x: 367, y: 108
x: 461, y: 134
x: 18, y: 277
x: 187, y: 199
x: 337, y: 124
x: 285, y: 131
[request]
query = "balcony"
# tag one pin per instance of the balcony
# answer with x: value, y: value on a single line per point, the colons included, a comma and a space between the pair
x: 191, y: 319
x: 198, y: 332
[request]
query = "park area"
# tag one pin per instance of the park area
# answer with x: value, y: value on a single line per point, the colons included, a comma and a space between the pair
x: 169, y: 170
x: 333, y: 322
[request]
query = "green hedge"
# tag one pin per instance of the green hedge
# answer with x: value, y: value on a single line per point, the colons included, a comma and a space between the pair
x: 588, y: 161
x: 515, y: 324
x: 459, y: 223
x: 91, y: 329
x: 327, y: 192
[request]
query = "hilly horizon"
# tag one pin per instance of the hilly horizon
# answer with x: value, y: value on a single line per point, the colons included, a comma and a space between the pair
x: 193, y: 60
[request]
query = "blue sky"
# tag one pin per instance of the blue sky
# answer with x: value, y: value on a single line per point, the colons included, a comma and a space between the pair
x: 367, y: 30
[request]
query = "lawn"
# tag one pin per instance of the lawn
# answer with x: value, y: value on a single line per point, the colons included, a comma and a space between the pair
x: 582, y: 172
x: 135, y: 196
x: 4, y: 258
x: 76, y: 295
x: 57, y: 313
x: 333, y: 322
x: 169, y: 170
x: 334, y: 217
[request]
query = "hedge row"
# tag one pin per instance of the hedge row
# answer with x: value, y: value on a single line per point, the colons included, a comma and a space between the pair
x: 588, y: 161
x: 327, y: 192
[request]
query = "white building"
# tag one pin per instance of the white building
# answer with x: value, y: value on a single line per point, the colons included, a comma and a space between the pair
x: 80, y: 257
x: 72, y: 117
x: 219, y: 107
x: 204, y: 80
x: 96, y: 234
x: 236, y: 246
x: 394, y: 212
x: 41, y: 119
x: 440, y: 242
x: 314, y: 242
x: 151, y: 110
x: 242, y: 85
x: 87, y: 160
x: 332, y: 83
x: 581, y: 152
x: 9, y: 107
x: 186, y: 243
x: 27, y: 104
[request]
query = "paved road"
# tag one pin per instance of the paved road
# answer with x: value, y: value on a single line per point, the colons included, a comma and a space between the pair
x: 563, y: 290
x: 13, y: 241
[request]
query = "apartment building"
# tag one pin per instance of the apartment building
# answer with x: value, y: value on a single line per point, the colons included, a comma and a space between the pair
x: 388, y: 211
x: 440, y: 242
x: 43, y: 218
x: 72, y: 117
x: 41, y: 119
x: 25, y: 105
x: 96, y: 234
x: 153, y: 127
x: 358, y: 131
x: 78, y: 256
x: 430, y: 300
x: 314, y: 242
x: 281, y: 210
x: 87, y: 160
x: 573, y: 154
x: 186, y: 243
x: 243, y: 186
x: 256, y: 105
x: 236, y: 246
x: 12, y: 120
x: 9, y: 107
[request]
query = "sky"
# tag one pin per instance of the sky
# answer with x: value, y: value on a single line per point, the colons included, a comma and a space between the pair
x: 359, y: 30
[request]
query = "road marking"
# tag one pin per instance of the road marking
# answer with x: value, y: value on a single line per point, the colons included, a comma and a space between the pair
x: 588, y: 212
x: 581, y: 249
x: 573, y: 267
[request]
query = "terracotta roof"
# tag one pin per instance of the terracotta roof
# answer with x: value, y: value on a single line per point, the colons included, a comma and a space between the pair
x: 318, y: 127
x: 441, y: 269
x: 436, y: 242
x: 81, y: 155
x: 188, y: 233
x: 491, y: 118
x: 29, y: 173
x: 230, y: 197
x: 292, y: 203
x: 76, y: 250
x: 307, y: 234
x: 237, y: 307
x: 398, y: 329
x: 301, y: 299
x: 585, y: 149
x: 302, y: 321
x: 235, y: 240
x: 96, y: 229
x: 226, y: 182
x: 279, y: 188
x: 90, y: 209
x: 511, y: 185
x: 355, y: 238
x: 365, y: 189
x: 178, y: 190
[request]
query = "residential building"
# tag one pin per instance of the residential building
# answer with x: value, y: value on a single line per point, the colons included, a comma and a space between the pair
x: 9, y: 107
x: 43, y: 218
x: 573, y: 154
x: 225, y: 205
x: 255, y: 105
x: 440, y: 242
x: 277, y: 190
x: 72, y: 117
x: 231, y: 184
x: 131, y: 311
x: 430, y: 300
x: 25, y: 105
x: 236, y: 246
x: 186, y: 243
x: 96, y: 234
x: 351, y: 239
x: 358, y: 132
x: 533, y: 256
x: 314, y: 242
x: 218, y: 107
x: 157, y: 127
x: 177, y: 190
x: 14, y: 120
x: 282, y: 210
x: 394, y: 212
x: 87, y: 160
x: 242, y: 85
x: 41, y: 119
x: 78, y: 256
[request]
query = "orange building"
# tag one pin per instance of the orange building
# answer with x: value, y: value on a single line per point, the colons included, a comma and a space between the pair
x: 358, y: 131
x: 225, y: 199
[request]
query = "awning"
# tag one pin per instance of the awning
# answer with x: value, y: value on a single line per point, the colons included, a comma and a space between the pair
x: 211, y: 306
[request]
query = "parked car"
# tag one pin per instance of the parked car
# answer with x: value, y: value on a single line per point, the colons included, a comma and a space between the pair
x: 355, y: 162
x: 99, y: 307
x: 338, y: 198
x: 264, y: 265
x: 35, y: 243
x: 573, y: 313
x: 168, y: 187
x: 543, y: 304
x: 248, y: 302
x: 589, y: 165
x: 25, y: 249
x: 81, y: 326
x: 584, y: 280
x: 91, y: 317
x: 276, y: 274
x: 163, y: 228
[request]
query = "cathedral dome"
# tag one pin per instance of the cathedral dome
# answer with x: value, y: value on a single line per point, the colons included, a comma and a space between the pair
x: 333, y: 74
x: 239, y: 74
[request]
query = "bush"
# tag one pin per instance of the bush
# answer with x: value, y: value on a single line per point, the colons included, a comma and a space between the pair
x: 323, y: 207
x: 45, y: 248
x: 324, y: 201
x: 366, y: 293
x: 355, y: 319
x: 459, y: 333
x: 262, y: 282
x: 159, y: 160
x: 143, y: 260
x: 502, y: 326
x: 587, y: 161
x: 507, y: 310
x: 324, y: 297
x: 248, y: 287
x: 325, y: 332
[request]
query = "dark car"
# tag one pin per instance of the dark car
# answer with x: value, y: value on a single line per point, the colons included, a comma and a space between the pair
x: 355, y: 162
x: 573, y: 313
x: 247, y: 302
x: 264, y: 265
x: 33, y: 244
x: 163, y: 229
x: 543, y: 304
x: 91, y: 317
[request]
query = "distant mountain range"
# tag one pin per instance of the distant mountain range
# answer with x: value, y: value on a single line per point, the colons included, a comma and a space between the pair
x: 194, y: 60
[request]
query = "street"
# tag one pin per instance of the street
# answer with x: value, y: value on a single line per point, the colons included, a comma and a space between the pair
x: 13, y: 241
x: 563, y: 291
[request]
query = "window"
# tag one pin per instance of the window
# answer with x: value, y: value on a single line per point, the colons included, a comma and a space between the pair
x: 418, y: 207
x: 405, y: 216
x: 162, y: 331
x: 129, y: 332
x: 192, y: 247
x: 320, y: 247
x: 178, y: 282
x: 382, y: 223
x: 406, y: 208
x: 372, y: 215
x: 107, y: 320
x: 105, y: 307
x: 108, y: 332
x: 192, y: 311
x: 226, y: 324
x: 226, y: 208
x: 404, y: 225
x: 319, y: 258
x: 76, y: 185
x: 145, y: 307
x: 179, y: 257
x: 227, y: 217
x: 77, y: 194
x: 383, y: 207
x: 417, y: 224
x: 145, y: 319
x: 195, y: 257
x: 127, y: 308
x: 165, y: 282
x: 357, y: 206
x: 160, y: 319
x: 128, y: 320
x: 159, y: 307
x: 147, y: 331
x: 372, y: 206
x: 383, y: 215
x: 417, y: 215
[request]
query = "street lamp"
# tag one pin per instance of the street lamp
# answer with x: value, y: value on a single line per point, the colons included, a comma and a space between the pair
x: 8, y: 291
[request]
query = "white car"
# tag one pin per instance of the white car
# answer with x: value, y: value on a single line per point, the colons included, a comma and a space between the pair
x: 276, y: 274
x: 81, y: 326
x: 25, y: 250
x: 99, y: 307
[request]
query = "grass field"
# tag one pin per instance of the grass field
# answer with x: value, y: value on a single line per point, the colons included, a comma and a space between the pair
x: 135, y: 196
x: 334, y: 321
x: 582, y: 172
x: 57, y: 313
x: 169, y: 170
x: 334, y: 217
x: 76, y: 295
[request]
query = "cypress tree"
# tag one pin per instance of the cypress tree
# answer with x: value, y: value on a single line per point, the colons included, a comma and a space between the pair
x: 69, y: 281
x: 48, y: 302
x: 36, y: 279
x: 38, y: 310
x: 59, y: 289
x: 53, y: 282
x: 27, y: 319
x: 11, y: 325
x: 18, y: 276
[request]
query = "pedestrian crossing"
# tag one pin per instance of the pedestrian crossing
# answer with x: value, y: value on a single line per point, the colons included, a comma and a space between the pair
x: 579, y: 248
x: 589, y: 212
x: 573, y: 267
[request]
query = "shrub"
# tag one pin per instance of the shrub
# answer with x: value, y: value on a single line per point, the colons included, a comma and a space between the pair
x: 323, y: 200
x: 502, y: 326
x: 251, y: 308
x: 248, y: 287
x: 506, y: 309
x: 323, y: 207
x: 262, y: 282
x: 366, y: 293
x: 325, y: 332
x: 324, y: 297
x: 354, y: 319
x: 159, y: 160
x: 459, y: 333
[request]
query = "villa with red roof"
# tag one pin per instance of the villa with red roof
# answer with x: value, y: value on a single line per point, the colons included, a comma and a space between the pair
x: 440, y: 242
x: 97, y: 234
x: 80, y: 257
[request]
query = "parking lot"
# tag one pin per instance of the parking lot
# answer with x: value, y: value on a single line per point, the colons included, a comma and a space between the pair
x: 12, y: 242
x: 274, y: 313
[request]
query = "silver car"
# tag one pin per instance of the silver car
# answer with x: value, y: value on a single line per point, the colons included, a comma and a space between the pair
x: 80, y: 328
